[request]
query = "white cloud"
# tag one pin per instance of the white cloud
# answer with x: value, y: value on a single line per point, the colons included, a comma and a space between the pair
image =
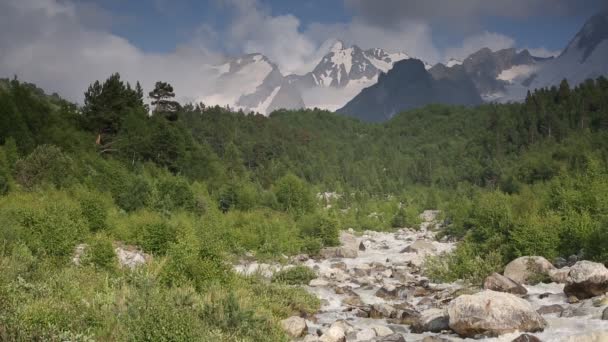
x: 492, y: 40
x: 543, y: 52
x: 411, y: 37
x: 44, y: 41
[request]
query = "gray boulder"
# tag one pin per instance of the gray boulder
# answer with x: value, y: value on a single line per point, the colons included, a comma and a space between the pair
x: 492, y: 313
x: 527, y: 269
x: 500, y: 283
x: 587, y: 279
x: 294, y: 326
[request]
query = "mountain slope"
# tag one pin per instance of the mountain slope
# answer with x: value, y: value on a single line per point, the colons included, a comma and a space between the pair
x: 254, y: 84
x: 409, y: 85
x: 342, y: 73
x: 585, y: 56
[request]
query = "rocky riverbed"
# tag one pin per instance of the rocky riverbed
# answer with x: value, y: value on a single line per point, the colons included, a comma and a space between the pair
x: 372, y: 289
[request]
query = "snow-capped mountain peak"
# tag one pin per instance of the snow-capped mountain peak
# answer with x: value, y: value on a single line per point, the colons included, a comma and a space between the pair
x: 452, y: 62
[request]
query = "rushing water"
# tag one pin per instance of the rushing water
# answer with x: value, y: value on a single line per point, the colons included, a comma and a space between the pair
x: 384, y: 255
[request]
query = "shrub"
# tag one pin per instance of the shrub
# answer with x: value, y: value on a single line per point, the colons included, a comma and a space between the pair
x: 134, y: 194
x: 174, y: 193
x: 101, y: 252
x: 95, y: 210
x: 298, y: 275
x: 157, y: 236
x: 321, y: 226
x: 293, y: 194
x: 463, y: 264
x: 46, y: 164
x: 50, y: 224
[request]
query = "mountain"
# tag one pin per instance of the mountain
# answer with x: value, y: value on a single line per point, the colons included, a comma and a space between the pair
x: 586, y: 56
x: 342, y: 73
x: 492, y: 71
x: 253, y: 83
x: 410, y: 85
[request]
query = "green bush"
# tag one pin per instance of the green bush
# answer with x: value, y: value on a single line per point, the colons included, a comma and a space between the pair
x: 95, y: 209
x: 156, y: 237
x: 101, y: 252
x: 293, y: 194
x: 50, y: 224
x: 298, y: 275
x: 134, y: 194
x: 463, y: 264
x: 325, y: 227
x: 46, y: 164
x: 174, y: 193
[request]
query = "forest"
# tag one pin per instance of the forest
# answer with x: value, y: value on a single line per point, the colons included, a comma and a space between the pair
x: 200, y: 187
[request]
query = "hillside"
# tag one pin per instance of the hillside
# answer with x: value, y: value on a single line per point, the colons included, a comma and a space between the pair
x: 189, y: 191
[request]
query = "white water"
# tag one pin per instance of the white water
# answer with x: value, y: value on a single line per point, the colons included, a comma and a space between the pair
x: 385, y: 249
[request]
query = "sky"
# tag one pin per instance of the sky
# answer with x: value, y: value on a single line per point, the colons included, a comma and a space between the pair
x: 64, y: 45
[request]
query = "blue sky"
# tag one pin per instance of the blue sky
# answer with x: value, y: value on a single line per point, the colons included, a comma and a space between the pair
x: 161, y: 25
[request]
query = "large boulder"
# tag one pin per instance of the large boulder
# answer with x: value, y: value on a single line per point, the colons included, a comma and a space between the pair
x: 420, y: 246
x: 587, y: 279
x: 333, y: 334
x: 294, y: 326
x: 500, y: 283
x: 528, y: 269
x: 432, y: 320
x: 492, y: 313
x: 131, y: 256
x: 348, y: 249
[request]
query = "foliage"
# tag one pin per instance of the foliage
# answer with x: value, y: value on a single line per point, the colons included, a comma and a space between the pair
x: 298, y: 275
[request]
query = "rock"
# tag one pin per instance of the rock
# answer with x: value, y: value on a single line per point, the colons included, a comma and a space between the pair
x: 353, y: 301
x: 573, y: 259
x: 362, y: 247
x: 492, y: 313
x: 550, y: 309
x: 407, y: 316
x: 339, y: 265
x: 572, y: 300
x: 430, y: 215
x: 527, y: 269
x: 432, y: 320
x: 419, y: 246
x: 605, y: 314
x: 526, y: 338
x: 345, y: 326
x: 587, y: 279
x: 294, y: 326
x: 338, y: 252
x: 333, y: 334
x: 362, y: 270
x: 387, y: 291
x: 336, y: 274
x: 366, y: 334
x: 382, y: 330
x: 500, y: 283
x: 310, y: 338
x: 560, y: 262
x: 435, y: 339
x: 79, y: 253
x: 593, y: 337
x: 382, y: 310
x: 559, y: 276
x: 130, y: 256
x: 318, y: 283
x: 392, y: 338
x: 584, y: 308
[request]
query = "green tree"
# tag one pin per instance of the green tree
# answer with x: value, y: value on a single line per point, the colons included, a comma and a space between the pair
x: 162, y: 100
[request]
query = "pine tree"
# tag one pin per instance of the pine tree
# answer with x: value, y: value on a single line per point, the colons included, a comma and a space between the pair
x: 162, y: 98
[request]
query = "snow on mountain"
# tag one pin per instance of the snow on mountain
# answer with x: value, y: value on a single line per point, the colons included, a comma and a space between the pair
x: 252, y: 83
x: 342, y: 73
x: 585, y: 56
x: 452, y: 62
